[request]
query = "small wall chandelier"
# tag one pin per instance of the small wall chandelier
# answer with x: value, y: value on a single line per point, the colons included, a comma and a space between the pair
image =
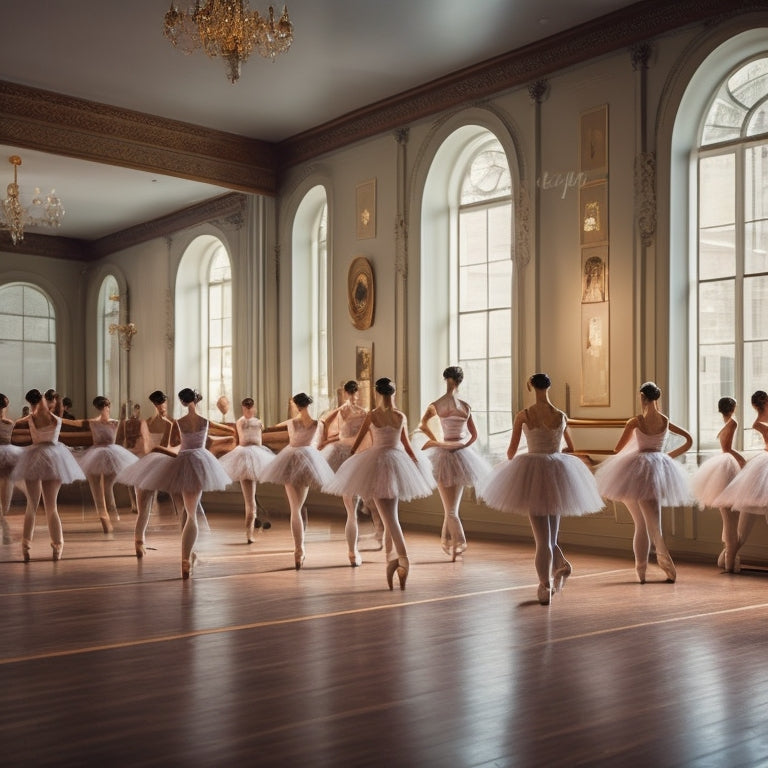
x: 229, y: 29
x: 44, y: 211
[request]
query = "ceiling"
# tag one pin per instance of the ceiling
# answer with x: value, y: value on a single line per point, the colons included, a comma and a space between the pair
x: 345, y: 55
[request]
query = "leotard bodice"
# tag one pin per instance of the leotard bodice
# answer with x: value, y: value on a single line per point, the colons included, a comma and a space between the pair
x: 349, y: 424
x: 300, y: 436
x: 646, y: 442
x: 194, y: 440
x: 49, y: 434
x: 249, y: 430
x: 104, y: 432
x: 454, y: 426
x: 542, y: 439
x: 6, y: 430
x: 385, y: 437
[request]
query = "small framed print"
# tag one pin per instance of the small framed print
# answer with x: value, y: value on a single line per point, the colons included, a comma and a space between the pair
x: 593, y: 213
x: 595, y: 355
x: 593, y: 149
x: 594, y: 274
x: 365, y: 209
x: 364, y: 373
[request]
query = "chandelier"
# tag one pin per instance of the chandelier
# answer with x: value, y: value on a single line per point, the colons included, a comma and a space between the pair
x: 43, y: 211
x: 229, y: 29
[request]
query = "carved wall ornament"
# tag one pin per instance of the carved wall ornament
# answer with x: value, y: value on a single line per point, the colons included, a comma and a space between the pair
x: 360, y: 293
x: 645, y: 196
x: 522, y: 255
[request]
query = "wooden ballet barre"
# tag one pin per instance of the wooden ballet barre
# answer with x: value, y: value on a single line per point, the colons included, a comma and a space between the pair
x: 597, y: 423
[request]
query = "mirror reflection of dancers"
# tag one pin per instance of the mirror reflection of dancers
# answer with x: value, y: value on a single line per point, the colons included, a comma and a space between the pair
x: 246, y: 462
x: 454, y: 463
x: 156, y: 434
x: 386, y: 472
x: 748, y: 491
x: 103, y: 460
x: 645, y: 478
x: 298, y: 467
x: 9, y: 455
x: 544, y: 484
x: 714, y: 475
x: 44, y: 467
x: 349, y: 418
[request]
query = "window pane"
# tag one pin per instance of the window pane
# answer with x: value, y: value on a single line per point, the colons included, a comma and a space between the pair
x: 499, y: 333
x: 214, y: 302
x: 473, y: 335
x: 473, y: 239
x: 10, y: 327
x: 37, y: 364
x: 500, y: 384
x: 214, y: 370
x: 716, y: 312
x: 717, y: 252
x: 717, y: 190
x: 756, y: 247
x: 214, y: 333
x: 35, y: 303
x: 473, y: 288
x: 717, y: 365
x: 36, y: 329
x: 500, y: 283
x: 474, y: 383
x: 11, y: 299
x: 756, y: 308
x: 500, y: 232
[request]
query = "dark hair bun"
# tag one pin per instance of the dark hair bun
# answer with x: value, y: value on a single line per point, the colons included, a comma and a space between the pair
x: 385, y: 386
x: 100, y: 402
x: 351, y: 387
x: 650, y: 391
x: 455, y: 373
x: 247, y: 402
x: 3, y: 401
x: 759, y: 399
x: 540, y: 381
x: 188, y: 396
x: 302, y: 400
x: 158, y: 397
x: 726, y: 405
x: 33, y: 397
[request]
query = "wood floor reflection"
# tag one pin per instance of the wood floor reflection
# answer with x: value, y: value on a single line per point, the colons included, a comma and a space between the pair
x: 107, y: 659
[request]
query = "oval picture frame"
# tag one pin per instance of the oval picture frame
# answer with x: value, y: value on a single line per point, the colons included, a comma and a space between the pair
x: 360, y: 293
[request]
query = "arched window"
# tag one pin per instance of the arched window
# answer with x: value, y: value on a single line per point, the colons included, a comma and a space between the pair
x: 27, y: 342
x: 219, y: 330
x: 309, y: 300
x: 467, y: 249
x: 108, y: 341
x: 732, y: 253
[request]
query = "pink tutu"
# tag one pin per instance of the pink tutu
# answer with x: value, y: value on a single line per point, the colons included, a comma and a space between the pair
x: 336, y: 454
x: 247, y: 462
x: 9, y: 455
x: 193, y: 470
x: 106, y: 459
x: 642, y: 476
x: 47, y: 461
x: 462, y: 466
x: 748, y: 491
x: 712, y: 477
x: 137, y: 473
x: 299, y: 465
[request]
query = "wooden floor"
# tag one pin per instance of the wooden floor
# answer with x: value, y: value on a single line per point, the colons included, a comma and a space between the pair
x: 109, y: 660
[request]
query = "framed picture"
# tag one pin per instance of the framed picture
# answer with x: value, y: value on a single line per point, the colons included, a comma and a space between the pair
x: 593, y: 136
x: 595, y: 354
x: 593, y: 213
x: 365, y: 209
x: 360, y: 293
x: 594, y: 274
x: 364, y: 373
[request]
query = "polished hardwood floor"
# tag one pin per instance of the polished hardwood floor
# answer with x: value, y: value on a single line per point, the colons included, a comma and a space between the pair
x: 110, y: 660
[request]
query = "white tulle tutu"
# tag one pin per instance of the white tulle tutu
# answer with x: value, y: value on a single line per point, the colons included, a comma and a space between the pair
x: 47, y: 461
x: 193, y: 471
x: 106, y: 459
x: 643, y: 476
x: 748, y: 491
x: 542, y: 484
x: 247, y: 462
x: 712, y: 477
x: 9, y: 456
x: 462, y: 466
x: 299, y: 465
x: 336, y: 454
x: 138, y: 472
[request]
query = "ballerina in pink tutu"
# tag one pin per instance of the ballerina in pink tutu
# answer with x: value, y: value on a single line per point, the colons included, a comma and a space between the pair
x: 9, y: 455
x: 645, y: 478
x: 44, y: 467
x: 714, y: 475
x: 386, y: 472
x: 544, y: 484
x: 454, y: 462
x: 298, y: 467
x: 247, y: 461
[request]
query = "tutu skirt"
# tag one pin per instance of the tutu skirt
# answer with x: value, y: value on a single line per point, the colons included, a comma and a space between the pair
x: 542, y: 484
x: 247, y: 462
x: 299, y: 465
x: 106, y: 459
x: 463, y: 466
x: 383, y: 473
x: 9, y: 455
x: 712, y: 477
x: 643, y: 476
x: 748, y: 491
x: 47, y: 461
x: 336, y: 454
x: 192, y: 471
x: 137, y: 473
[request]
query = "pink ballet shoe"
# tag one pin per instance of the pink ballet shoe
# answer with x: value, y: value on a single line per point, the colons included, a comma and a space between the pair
x: 640, y: 570
x: 140, y: 549
x: 665, y: 563
x: 355, y: 560
x: 187, y: 566
x: 25, y: 547
x: 721, y: 560
x: 106, y: 524
x: 445, y: 545
x: 298, y: 557
x: 561, y: 574
x: 403, y: 566
x: 391, y: 568
x: 544, y: 594
x: 57, y: 551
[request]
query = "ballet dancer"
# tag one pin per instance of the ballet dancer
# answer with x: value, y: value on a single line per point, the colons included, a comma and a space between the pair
x: 714, y: 475
x: 246, y: 463
x: 545, y: 484
x: 44, y: 467
x: 156, y: 434
x: 454, y: 463
x: 748, y: 491
x: 191, y: 471
x: 386, y: 472
x: 645, y: 478
x: 337, y: 448
x: 103, y: 460
x: 298, y: 467
x: 9, y: 455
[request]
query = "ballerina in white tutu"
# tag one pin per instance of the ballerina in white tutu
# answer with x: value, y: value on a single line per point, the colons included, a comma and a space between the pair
x: 348, y: 418
x: 543, y: 484
x: 386, y: 472
x: 155, y: 433
x: 298, y: 467
x: 246, y: 462
x: 454, y: 463
x: 645, y: 478
x: 9, y: 455
x: 103, y: 460
x: 714, y: 475
x: 44, y: 467
x: 748, y: 491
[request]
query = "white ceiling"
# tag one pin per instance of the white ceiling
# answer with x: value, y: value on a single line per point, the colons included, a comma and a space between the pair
x: 345, y: 55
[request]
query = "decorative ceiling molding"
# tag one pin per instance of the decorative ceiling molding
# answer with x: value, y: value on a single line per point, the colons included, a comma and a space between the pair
x: 64, y: 125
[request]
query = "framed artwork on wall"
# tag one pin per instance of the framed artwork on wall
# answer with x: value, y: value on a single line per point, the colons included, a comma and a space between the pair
x: 595, y: 354
x: 594, y: 274
x: 361, y: 293
x: 365, y: 209
x: 593, y: 213
x: 593, y: 149
x: 364, y: 373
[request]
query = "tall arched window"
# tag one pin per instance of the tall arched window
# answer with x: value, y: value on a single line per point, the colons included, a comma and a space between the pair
x: 466, y: 278
x: 108, y: 342
x: 309, y: 295
x: 219, y: 329
x: 27, y: 342
x: 732, y: 254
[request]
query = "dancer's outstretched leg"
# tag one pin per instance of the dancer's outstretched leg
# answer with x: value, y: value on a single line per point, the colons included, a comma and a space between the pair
x: 641, y: 541
x: 297, y: 495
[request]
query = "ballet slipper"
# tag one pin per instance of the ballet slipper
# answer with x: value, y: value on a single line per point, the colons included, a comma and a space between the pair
x: 640, y: 570
x: 391, y: 568
x: 445, y: 545
x: 298, y: 558
x: 140, y: 549
x: 544, y: 594
x: 355, y: 559
x: 25, y: 547
x: 106, y: 523
x: 721, y: 561
x: 58, y: 549
x: 403, y: 566
x: 561, y: 574
x: 665, y: 563
x: 187, y: 566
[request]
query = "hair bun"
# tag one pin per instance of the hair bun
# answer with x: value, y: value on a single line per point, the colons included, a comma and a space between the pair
x: 385, y: 386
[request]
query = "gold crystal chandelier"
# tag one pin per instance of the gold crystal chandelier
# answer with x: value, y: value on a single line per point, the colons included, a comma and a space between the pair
x: 44, y: 211
x: 228, y: 29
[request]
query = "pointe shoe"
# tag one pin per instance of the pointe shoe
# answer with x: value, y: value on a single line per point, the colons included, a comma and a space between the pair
x: 721, y: 560
x: 457, y: 550
x: 665, y: 563
x: 445, y: 545
x: 298, y: 557
x: 640, y: 570
x: 140, y: 549
x: 544, y: 594
x: 561, y: 574
x: 391, y: 568
x: 403, y: 566
x: 186, y: 569
x: 106, y: 524
x: 355, y: 559
x: 57, y: 551
x: 25, y: 547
